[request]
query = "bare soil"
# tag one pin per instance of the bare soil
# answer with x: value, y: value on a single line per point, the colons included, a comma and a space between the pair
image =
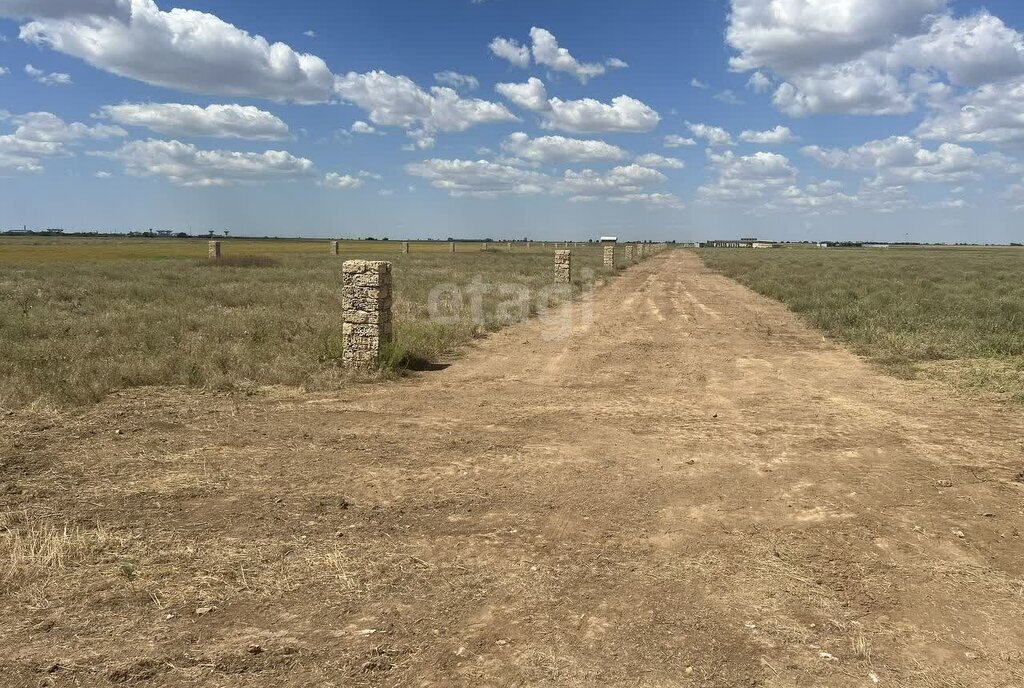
x: 693, y: 489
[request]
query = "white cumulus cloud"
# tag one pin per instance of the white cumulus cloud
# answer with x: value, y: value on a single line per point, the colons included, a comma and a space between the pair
x: 217, y: 121
x: 993, y: 113
x: 588, y: 116
x: 584, y: 116
x: 715, y: 136
x: 479, y: 178
x: 39, y: 135
x: 747, y: 178
x: 180, y: 49
x: 361, y: 127
x: 547, y: 52
x: 335, y: 180
x: 660, y: 161
x: 51, y: 79
x: 510, y: 49
x: 624, y: 184
x: 457, y: 80
x: 397, y: 101
x: 184, y: 164
x: 777, y: 136
x: 677, y: 141
x: 868, y: 57
x: 531, y: 95
x: 559, y: 149
x: 901, y: 159
x: 759, y: 82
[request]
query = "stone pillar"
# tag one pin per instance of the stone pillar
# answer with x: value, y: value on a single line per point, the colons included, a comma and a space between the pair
x: 528, y: 244
x: 213, y: 250
x: 451, y: 247
x: 366, y: 308
x: 629, y: 254
x: 609, y: 255
x: 334, y: 248
x: 483, y: 246
x: 510, y: 246
x: 405, y: 247
x: 563, y: 267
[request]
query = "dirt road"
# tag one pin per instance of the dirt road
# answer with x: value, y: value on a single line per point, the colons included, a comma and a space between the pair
x: 693, y: 489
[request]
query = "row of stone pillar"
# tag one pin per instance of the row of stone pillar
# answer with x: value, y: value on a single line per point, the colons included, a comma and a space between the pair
x: 367, y: 297
x: 633, y: 253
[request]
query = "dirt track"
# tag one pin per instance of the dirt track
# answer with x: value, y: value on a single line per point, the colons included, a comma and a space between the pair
x: 692, y: 490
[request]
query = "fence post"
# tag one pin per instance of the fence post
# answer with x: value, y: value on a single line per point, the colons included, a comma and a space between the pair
x: 609, y: 255
x: 366, y: 312
x: 334, y: 248
x: 213, y: 250
x: 405, y: 247
x: 563, y: 267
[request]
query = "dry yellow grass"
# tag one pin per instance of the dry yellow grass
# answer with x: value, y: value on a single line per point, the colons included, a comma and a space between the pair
x: 82, y: 317
x: 951, y: 313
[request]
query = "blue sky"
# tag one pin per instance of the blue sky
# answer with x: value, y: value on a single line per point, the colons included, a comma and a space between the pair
x: 785, y: 119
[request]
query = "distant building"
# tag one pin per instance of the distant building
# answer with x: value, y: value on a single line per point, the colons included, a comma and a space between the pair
x: 609, y: 240
x: 164, y: 232
x: 738, y: 243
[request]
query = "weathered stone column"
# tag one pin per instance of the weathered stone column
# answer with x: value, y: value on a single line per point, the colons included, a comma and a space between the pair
x: 629, y: 254
x: 405, y: 247
x: 609, y: 255
x: 510, y: 246
x: 213, y: 250
x: 334, y: 248
x: 451, y: 247
x: 366, y: 308
x: 563, y: 267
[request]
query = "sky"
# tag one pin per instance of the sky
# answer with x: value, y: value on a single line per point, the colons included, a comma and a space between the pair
x: 875, y: 120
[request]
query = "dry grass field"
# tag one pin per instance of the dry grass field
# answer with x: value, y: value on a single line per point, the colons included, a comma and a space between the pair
x: 951, y: 313
x: 83, y: 317
x: 691, y: 489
